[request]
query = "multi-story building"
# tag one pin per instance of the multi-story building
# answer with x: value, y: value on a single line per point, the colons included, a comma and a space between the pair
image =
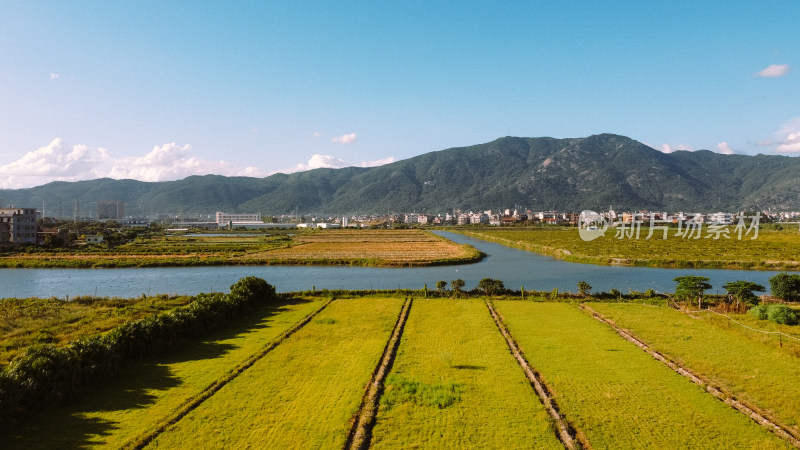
x: 225, y: 219
x: 18, y: 225
x: 110, y: 209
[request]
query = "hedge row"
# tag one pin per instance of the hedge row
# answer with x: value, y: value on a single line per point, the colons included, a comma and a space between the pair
x: 45, y: 374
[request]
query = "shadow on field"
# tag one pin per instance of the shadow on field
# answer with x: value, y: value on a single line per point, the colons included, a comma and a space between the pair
x: 74, y: 423
x: 469, y: 367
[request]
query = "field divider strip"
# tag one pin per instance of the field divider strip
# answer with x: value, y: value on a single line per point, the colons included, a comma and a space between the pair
x: 361, y: 425
x: 570, y: 436
x: 753, y: 412
x: 195, y: 401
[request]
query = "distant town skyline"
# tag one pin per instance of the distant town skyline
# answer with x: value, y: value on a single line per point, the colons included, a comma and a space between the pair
x: 159, y: 91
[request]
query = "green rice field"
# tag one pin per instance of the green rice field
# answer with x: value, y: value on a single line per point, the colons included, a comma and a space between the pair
x: 762, y: 373
x: 303, y: 393
x: 452, y: 383
x: 618, y: 395
x: 455, y: 384
x: 119, y: 410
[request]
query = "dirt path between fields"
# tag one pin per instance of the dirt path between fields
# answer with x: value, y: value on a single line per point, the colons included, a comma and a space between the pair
x: 571, y: 437
x: 361, y: 425
x: 759, y: 416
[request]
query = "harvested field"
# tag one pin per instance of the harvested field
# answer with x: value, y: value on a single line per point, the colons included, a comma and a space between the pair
x: 372, y: 247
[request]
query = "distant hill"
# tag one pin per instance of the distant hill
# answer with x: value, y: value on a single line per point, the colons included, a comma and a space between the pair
x: 537, y: 173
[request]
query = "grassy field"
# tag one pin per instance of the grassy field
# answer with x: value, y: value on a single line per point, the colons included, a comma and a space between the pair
x: 617, y: 395
x: 762, y: 373
x: 303, y: 393
x: 120, y: 410
x: 773, y: 250
x: 319, y: 247
x: 454, y: 384
x: 28, y: 321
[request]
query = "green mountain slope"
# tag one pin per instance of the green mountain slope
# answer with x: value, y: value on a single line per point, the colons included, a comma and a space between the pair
x: 538, y: 173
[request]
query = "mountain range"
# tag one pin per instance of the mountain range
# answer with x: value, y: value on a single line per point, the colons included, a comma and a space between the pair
x: 594, y: 172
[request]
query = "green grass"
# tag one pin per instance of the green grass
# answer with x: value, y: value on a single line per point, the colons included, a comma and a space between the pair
x: 119, y: 410
x: 759, y: 372
x: 304, y: 392
x: 772, y: 250
x: 615, y: 393
x: 28, y: 321
x: 455, y: 384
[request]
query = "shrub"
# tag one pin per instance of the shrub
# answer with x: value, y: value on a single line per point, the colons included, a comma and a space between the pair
x: 253, y: 290
x: 759, y: 311
x: 777, y: 313
x: 785, y: 286
x: 584, y: 288
x: 781, y: 314
x: 44, y: 374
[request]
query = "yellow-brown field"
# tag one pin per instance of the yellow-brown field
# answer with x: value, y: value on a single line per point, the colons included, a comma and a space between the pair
x: 319, y: 247
x: 373, y: 247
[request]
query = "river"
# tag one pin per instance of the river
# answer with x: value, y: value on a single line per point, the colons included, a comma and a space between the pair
x: 514, y: 267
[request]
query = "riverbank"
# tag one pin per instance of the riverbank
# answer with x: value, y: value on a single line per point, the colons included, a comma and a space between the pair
x: 772, y: 250
x: 362, y: 248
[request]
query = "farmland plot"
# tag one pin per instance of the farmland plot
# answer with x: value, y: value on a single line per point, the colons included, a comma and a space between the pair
x: 617, y: 395
x: 454, y: 384
x: 760, y: 373
x: 304, y: 392
x: 119, y: 410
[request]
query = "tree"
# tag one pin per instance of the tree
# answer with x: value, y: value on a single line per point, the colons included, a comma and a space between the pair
x: 491, y: 286
x: 441, y: 286
x: 742, y: 291
x: 691, y: 286
x: 585, y: 288
x: 785, y: 286
x: 253, y: 290
x: 456, y: 286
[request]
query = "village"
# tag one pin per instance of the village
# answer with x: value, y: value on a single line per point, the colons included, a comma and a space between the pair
x: 27, y: 225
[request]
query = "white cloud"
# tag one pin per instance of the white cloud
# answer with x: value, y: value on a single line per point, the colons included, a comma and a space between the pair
x: 55, y: 161
x: 318, y: 161
x: 317, y: 134
x: 788, y: 137
x: 55, y: 76
x: 378, y: 162
x: 774, y: 71
x: 724, y: 148
x: 173, y: 162
x: 667, y: 148
x: 59, y: 161
x: 345, y: 138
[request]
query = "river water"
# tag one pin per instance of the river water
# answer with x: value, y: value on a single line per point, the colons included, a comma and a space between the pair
x: 516, y: 268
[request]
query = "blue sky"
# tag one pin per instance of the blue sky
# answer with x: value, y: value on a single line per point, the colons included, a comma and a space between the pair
x: 158, y: 90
